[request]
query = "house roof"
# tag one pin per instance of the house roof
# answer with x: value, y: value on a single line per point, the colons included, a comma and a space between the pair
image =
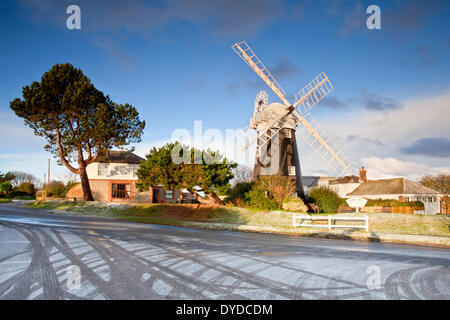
x: 391, y: 186
x: 345, y: 179
x: 312, y: 181
x: 119, y: 157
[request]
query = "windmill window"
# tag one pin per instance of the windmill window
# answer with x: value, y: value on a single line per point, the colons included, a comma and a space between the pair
x: 102, y: 169
x: 287, y: 133
x: 291, y: 170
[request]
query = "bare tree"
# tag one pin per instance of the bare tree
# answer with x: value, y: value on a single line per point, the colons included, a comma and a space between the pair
x: 21, y: 177
x: 279, y: 187
x: 69, y: 177
x: 242, y: 174
x: 440, y: 182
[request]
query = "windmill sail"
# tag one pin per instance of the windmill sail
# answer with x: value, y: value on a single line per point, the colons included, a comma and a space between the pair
x: 274, y: 126
x: 247, y: 54
x: 313, y: 134
x: 312, y: 93
x: 308, y: 128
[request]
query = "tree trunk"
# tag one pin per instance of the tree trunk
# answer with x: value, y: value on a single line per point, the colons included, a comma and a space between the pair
x: 87, y: 194
x: 216, y: 199
x: 213, y: 196
x: 195, y: 194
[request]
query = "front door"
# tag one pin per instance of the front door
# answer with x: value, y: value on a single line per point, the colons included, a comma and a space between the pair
x: 155, y: 195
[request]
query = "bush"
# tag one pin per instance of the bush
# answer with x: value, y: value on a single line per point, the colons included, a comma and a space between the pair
x: 326, y: 199
x: 278, y: 187
x: 5, y: 187
x: 16, y: 193
x: 27, y: 187
x: 267, y: 193
x: 55, y: 189
x: 238, y: 194
x: 259, y: 199
x: 24, y: 198
x: 294, y: 204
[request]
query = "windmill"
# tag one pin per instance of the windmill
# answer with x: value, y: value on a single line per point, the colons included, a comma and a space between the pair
x: 276, y: 124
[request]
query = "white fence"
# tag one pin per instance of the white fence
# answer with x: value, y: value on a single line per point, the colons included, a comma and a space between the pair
x: 331, y: 222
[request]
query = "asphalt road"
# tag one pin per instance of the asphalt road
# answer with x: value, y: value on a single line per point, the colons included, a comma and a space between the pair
x: 41, y: 254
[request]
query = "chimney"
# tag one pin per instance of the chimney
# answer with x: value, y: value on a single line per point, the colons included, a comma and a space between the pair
x: 362, y: 175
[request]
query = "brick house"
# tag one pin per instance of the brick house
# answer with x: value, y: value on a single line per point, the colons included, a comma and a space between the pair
x: 112, y: 178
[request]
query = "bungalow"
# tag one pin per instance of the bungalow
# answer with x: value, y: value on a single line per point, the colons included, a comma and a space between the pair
x: 112, y: 178
x: 400, y: 189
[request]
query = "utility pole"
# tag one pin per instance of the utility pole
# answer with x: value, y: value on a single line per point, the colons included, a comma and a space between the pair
x: 48, y: 172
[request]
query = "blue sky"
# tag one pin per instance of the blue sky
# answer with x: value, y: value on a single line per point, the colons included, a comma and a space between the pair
x: 172, y: 60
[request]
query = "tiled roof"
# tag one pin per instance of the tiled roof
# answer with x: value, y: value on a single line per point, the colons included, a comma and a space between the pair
x: 346, y: 179
x: 119, y: 157
x: 391, y: 186
x: 411, y: 187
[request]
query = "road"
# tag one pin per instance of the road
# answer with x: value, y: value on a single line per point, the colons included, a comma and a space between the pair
x: 48, y: 256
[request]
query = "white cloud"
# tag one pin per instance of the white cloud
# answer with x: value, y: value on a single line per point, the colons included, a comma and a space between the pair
x: 419, y: 117
x: 381, y: 168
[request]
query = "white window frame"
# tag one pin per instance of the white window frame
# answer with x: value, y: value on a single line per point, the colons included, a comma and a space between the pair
x: 169, y: 192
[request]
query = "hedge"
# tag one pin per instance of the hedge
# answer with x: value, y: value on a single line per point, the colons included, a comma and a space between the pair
x: 393, y: 203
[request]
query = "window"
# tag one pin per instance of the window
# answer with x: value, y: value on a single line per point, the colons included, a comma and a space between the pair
x: 169, y: 194
x: 120, y: 191
x: 291, y: 170
x: 287, y: 133
x: 102, y: 169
